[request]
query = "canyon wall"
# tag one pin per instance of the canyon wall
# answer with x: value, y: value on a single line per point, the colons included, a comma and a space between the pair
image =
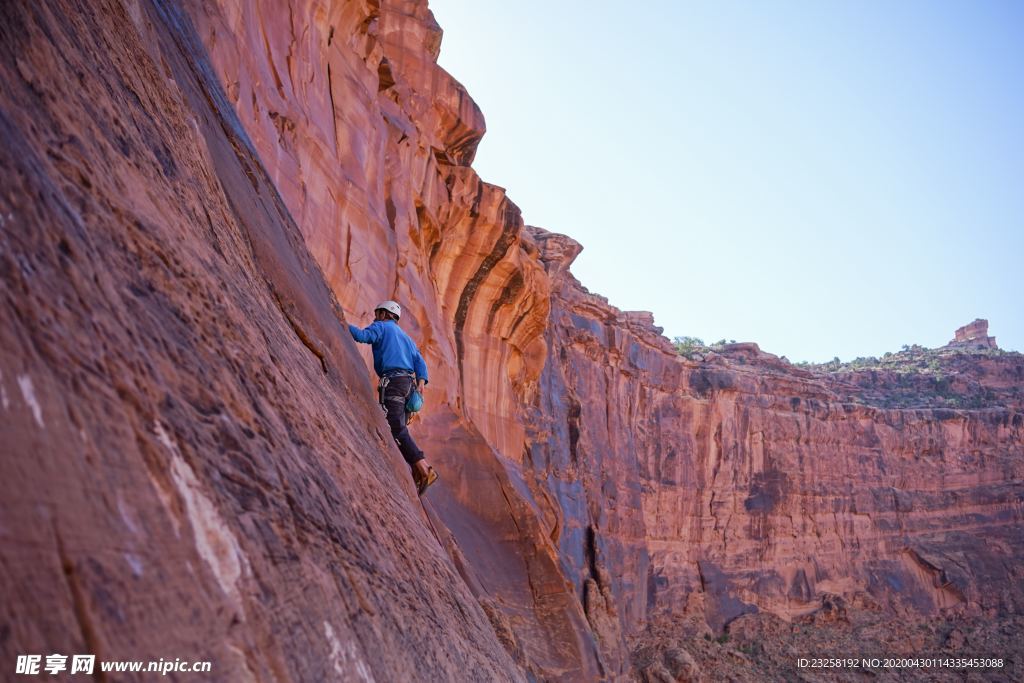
x: 374, y: 164
x: 574, y: 432
x: 197, y: 198
x: 192, y: 465
x: 740, y: 483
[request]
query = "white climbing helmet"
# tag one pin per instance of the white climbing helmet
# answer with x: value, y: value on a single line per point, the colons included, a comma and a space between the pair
x: 390, y: 307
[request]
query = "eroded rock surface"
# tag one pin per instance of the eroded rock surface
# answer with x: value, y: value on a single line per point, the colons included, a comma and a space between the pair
x: 191, y: 468
x: 764, y: 487
x: 195, y: 200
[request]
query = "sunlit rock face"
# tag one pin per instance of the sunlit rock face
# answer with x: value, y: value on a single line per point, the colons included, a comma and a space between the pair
x: 742, y: 484
x: 192, y: 465
x: 210, y: 193
x: 373, y: 164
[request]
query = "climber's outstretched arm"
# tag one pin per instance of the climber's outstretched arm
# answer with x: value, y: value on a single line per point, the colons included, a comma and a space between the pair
x: 368, y: 336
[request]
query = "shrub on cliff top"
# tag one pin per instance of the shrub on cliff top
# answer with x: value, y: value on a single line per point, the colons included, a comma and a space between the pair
x: 694, y: 347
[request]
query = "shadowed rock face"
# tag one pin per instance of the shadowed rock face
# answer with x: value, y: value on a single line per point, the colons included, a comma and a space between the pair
x: 743, y: 484
x: 194, y: 199
x: 191, y: 467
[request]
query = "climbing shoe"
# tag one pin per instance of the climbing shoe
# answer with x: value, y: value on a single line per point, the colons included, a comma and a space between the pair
x: 423, y: 482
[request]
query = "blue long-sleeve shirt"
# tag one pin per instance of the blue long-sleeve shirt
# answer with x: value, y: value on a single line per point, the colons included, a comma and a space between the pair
x: 392, y: 348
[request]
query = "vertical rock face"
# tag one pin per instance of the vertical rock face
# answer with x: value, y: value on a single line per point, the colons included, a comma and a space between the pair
x: 595, y: 478
x: 374, y: 166
x: 743, y: 484
x: 191, y: 466
x: 193, y: 200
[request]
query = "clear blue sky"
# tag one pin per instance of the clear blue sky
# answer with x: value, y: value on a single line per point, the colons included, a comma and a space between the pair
x: 823, y: 178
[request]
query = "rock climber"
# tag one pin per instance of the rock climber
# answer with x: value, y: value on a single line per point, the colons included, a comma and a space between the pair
x: 401, y: 370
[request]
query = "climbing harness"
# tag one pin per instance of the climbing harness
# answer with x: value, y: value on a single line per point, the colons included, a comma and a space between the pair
x: 382, y: 385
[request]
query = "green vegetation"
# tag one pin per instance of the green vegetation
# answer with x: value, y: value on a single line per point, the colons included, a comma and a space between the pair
x: 916, y: 377
x: 694, y: 348
x: 913, y: 358
x: 913, y: 377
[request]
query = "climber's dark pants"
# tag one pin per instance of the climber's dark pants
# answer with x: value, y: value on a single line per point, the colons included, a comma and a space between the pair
x: 396, y: 391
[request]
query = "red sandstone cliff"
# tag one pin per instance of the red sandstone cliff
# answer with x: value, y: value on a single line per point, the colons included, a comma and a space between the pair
x: 192, y: 466
x: 196, y: 199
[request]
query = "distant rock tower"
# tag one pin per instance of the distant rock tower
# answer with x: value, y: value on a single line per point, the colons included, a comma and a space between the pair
x: 974, y: 336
